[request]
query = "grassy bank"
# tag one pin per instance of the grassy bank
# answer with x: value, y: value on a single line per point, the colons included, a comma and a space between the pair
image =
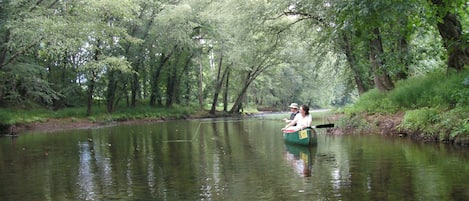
x: 434, y: 107
x: 14, y: 119
x: 26, y: 116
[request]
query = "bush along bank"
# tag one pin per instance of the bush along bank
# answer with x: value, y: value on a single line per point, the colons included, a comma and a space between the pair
x: 403, y: 125
x: 434, y: 108
x: 15, y: 121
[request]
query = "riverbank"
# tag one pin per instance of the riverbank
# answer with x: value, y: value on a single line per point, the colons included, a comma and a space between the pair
x: 386, y: 125
x: 392, y: 125
x: 68, y: 123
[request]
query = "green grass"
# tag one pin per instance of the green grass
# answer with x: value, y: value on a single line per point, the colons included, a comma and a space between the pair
x: 436, y: 104
x: 374, y: 101
x: 433, y: 91
x: 99, y: 113
x: 25, y: 116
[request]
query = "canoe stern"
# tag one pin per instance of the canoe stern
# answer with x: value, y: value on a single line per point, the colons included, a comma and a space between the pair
x: 306, y: 137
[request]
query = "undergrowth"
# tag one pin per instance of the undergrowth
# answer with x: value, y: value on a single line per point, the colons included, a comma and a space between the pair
x: 435, y: 104
x: 25, y: 116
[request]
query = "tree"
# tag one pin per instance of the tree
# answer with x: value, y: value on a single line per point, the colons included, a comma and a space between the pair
x: 118, y: 70
x: 221, y: 76
x: 135, y: 51
x: 23, y: 29
x: 451, y: 32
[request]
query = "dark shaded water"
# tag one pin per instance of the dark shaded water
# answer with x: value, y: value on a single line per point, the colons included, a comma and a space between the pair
x: 225, y: 160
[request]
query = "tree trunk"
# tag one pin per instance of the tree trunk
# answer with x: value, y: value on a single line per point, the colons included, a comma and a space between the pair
x: 170, y: 86
x: 135, y: 83
x: 91, y: 86
x: 403, y: 52
x: 182, y: 78
x: 221, y: 75
x: 347, y: 47
x: 451, y: 32
x: 4, y: 49
x: 237, y: 105
x: 135, y: 87
x: 200, y: 85
x: 225, y: 92
x: 218, y: 84
x: 155, y: 91
x: 111, y: 92
x: 175, y: 77
x: 382, y: 79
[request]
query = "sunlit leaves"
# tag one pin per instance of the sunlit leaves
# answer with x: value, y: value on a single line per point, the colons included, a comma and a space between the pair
x: 175, y: 25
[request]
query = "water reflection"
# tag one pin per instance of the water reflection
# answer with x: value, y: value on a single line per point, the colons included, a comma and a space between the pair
x: 85, y: 173
x: 224, y: 160
x: 301, y: 158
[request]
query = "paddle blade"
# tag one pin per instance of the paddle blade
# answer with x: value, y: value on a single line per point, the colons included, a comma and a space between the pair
x: 324, y: 126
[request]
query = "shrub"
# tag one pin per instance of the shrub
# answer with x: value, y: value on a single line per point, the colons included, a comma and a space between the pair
x: 374, y: 101
x: 424, y: 119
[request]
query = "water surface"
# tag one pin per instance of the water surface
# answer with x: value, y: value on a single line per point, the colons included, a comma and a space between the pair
x: 225, y: 159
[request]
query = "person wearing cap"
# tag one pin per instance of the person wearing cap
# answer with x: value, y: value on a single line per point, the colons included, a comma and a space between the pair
x: 294, y: 110
x: 301, y: 121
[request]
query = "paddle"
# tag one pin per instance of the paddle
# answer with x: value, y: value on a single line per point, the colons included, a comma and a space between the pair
x: 323, y: 126
x: 311, y: 127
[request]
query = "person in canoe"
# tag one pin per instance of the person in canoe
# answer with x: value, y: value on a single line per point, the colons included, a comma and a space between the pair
x: 302, y: 120
x: 294, y: 111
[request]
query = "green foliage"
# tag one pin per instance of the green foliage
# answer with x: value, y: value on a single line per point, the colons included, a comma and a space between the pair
x: 436, y: 104
x: 446, y: 125
x: 423, y: 119
x: 374, y: 101
x: 6, y: 117
x: 282, y: 51
x: 75, y: 112
x: 26, y: 86
x: 458, y: 121
x: 436, y: 90
x: 22, y: 116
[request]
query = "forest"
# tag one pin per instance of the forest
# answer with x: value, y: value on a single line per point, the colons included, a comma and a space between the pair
x: 357, y: 56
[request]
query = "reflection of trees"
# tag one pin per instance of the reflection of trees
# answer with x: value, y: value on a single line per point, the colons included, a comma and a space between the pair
x: 225, y: 160
x: 85, y: 173
x: 372, y: 168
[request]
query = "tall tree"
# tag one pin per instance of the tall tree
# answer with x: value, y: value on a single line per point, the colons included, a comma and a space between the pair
x: 221, y: 75
x: 349, y: 50
x: 174, y: 47
x: 23, y: 29
x: 140, y: 28
x: 381, y: 76
x: 451, y: 32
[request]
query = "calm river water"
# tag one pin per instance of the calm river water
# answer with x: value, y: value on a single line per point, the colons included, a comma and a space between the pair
x: 226, y: 159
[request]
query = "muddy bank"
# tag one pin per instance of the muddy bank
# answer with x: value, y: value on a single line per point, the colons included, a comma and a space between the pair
x: 51, y: 125
x: 382, y: 124
x: 385, y: 125
x: 367, y: 124
x: 389, y: 125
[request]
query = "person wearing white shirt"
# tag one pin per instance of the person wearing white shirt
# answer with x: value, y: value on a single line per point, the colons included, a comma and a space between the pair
x: 302, y: 120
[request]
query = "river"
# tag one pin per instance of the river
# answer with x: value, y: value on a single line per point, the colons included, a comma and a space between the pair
x: 225, y: 159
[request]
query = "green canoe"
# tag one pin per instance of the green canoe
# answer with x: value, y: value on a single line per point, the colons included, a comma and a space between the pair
x: 305, y: 137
